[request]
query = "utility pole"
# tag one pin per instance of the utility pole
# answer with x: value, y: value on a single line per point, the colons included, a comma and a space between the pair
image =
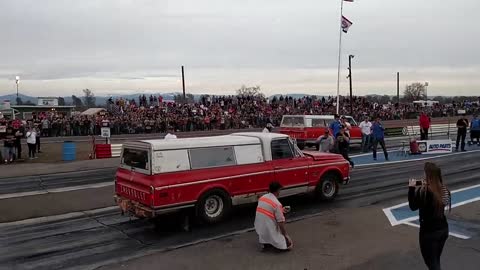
x: 398, y: 87
x: 17, y: 81
x: 183, y: 85
x: 350, y: 78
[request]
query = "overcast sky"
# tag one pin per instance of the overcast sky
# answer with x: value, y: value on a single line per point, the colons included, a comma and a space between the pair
x: 59, y: 47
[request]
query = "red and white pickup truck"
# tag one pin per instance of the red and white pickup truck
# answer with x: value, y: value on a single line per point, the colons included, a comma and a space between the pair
x: 305, y: 129
x: 212, y: 174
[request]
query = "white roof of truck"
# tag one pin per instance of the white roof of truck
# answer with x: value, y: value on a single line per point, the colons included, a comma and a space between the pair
x: 200, y: 142
x: 308, y: 116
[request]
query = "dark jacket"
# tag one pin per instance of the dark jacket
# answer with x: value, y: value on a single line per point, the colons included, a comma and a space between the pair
x: 423, y: 201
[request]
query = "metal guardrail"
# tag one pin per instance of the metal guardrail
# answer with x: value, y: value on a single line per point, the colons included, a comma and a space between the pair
x: 441, y: 129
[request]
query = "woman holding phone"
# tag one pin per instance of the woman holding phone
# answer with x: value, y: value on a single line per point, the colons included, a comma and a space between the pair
x: 430, y: 196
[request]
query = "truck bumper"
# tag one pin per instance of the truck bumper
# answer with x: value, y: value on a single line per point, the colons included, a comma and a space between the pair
x: 133, y: 208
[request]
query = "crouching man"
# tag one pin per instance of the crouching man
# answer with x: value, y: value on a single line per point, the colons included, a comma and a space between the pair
x: 270, y: 221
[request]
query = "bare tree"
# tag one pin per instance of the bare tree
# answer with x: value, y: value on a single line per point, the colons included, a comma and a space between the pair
x: 89, y: 98
x: 77, y: 102
x: 414, y: 91
x: 250, y: 91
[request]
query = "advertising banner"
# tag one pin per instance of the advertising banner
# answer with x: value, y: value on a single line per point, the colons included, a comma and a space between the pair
x: 435, y: 146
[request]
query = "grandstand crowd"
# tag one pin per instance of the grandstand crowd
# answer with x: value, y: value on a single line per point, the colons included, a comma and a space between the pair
x: 155, y: 115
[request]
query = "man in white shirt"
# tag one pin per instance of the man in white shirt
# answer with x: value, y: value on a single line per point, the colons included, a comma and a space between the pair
x: 31, y: 142
x: 366, y: 127
x: 170, y: 135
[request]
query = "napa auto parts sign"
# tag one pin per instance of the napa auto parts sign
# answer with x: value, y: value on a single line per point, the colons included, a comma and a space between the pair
x: 435, y: 146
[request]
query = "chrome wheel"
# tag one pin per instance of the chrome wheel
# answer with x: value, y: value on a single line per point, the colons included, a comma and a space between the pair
x: 328, y: 189
x: 213, y: 206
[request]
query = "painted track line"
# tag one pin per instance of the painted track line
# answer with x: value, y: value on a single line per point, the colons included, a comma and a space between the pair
x: 33, y: 221
x: 54, y: 190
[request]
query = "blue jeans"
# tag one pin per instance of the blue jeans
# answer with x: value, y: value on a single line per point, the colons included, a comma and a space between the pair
x: 366, y: 142
x: 8, y: 153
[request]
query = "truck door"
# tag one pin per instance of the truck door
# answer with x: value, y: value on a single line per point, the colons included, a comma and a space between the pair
x: 290, y: 169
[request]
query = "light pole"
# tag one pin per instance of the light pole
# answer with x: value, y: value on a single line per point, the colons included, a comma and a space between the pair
x: 350, y: 79
x: 17, y: 81
x: 183, y: 86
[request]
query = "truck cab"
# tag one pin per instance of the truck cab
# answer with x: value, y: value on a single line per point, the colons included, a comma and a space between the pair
x: 306, y: 129
x: 213, y: 174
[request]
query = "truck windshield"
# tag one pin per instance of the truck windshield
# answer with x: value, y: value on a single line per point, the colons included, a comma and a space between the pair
x: 135, y: 158
x: 292, y: 121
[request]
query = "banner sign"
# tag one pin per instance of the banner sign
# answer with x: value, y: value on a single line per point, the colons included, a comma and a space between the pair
x: 105, y: 132
x: 435, y: 146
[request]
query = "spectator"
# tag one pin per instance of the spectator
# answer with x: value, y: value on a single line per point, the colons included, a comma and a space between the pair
x: 366, y: 128
x: 346, y: 125
x: 343, y: 144
x: 270, y: 221
x: 268, y: 128
x: 325, y: 143
x: 475, y: 130
x: 37, y: 138
x: 378, y: 132
x: 170, y: 135
x: 431, y: 198
x: 31, y: 142
x: 335, y: 126
x: 462, y: 125
x: 424, y: 123
x: 19, y: 134
x: 8, y: 145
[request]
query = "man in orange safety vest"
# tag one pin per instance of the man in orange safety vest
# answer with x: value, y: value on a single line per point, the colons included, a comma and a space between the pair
x: 270, y: 220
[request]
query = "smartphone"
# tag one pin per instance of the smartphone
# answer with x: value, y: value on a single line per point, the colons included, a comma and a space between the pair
x: 418, y: 182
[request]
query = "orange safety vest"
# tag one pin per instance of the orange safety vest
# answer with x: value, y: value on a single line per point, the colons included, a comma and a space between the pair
x: 267, y: 207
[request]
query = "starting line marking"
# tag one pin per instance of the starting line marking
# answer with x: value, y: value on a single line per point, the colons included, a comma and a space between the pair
x: 401, y: 213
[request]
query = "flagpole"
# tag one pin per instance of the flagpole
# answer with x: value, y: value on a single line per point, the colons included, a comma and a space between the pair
x: 339, y: 58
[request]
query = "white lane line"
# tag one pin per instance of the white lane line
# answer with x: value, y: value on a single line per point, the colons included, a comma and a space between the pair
x: 395, y: 222
x: 417, y: 159
x: 54, y: 190
x: 45, y: 219
x: 31, y: 221
x: 458, y: 235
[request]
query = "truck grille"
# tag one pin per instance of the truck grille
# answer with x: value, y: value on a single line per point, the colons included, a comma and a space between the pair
x: 133, y: 193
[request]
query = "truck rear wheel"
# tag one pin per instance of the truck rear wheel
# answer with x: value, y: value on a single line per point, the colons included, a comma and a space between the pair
x: 327, y: 187
x: 214, y: 206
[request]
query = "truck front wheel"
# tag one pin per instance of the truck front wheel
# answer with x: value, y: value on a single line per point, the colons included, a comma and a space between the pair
x: 327, y: 187
x: 213, y: 206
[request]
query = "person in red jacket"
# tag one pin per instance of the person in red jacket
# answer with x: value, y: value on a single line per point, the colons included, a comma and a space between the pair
x: 424, y: 123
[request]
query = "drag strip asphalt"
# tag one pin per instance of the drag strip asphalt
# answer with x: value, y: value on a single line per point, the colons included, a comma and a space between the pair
x: 90, y: 239
x: 39, y: 184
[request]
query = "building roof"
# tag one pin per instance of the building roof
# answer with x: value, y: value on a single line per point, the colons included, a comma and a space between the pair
x: 93, y: 111
x: 199, y: 142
